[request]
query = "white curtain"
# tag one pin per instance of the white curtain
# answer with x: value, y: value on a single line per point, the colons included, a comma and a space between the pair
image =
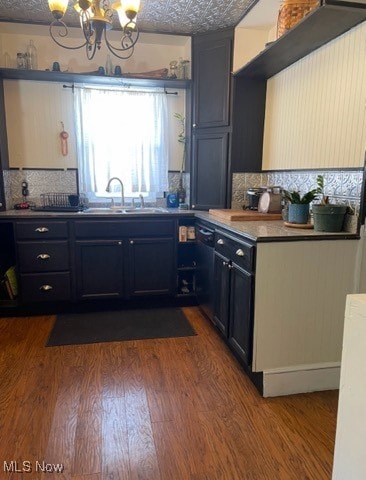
x: 121, y: 133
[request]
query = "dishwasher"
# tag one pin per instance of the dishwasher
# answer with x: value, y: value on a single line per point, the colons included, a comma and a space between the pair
x: 205, y: 268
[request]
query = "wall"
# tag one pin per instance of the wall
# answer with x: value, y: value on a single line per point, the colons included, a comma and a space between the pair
x: 248, y: 43
x: 34, y: 112
x: 349, y: 455
x: 152, y: 51
x: 315, y: 111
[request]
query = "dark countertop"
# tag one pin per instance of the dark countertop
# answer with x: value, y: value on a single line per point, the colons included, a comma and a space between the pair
x: 257, y: 231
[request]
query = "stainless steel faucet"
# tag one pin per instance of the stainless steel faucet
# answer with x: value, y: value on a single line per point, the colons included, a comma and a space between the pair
x: 108, y: 189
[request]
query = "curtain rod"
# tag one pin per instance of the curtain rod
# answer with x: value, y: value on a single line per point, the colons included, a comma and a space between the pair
x: 128, y: 87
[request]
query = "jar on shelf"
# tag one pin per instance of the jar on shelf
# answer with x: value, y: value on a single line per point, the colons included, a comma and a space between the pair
x: 21, y: 60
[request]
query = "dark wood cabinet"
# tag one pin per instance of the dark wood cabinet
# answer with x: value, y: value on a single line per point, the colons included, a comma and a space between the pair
x: 151, y: 266
x: 211, y: 70
x: 212, y: 61
x: 209, y: 172
x: 233, y: 293
x: 99, y: 269
x: 43, y: 260
x: 124, y: 258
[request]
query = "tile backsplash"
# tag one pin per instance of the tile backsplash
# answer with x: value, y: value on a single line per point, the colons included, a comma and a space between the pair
x: 60, y: 181
x: 342, y: 186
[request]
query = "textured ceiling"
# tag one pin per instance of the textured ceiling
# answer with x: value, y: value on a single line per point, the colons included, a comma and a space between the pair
x: 159, y: 16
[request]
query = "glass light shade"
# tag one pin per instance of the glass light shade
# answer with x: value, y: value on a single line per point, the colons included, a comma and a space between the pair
x: 123, y: 19
x: 58, y: 5
x: 130, y: 5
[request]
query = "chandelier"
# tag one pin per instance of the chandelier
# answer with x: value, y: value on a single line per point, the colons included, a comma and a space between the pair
x: 95, y: 20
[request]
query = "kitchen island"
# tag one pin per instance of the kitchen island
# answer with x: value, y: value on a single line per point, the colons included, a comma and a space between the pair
x: 279, y: 292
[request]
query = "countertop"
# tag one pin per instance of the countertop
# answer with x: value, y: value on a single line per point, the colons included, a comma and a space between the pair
x: 257, y: 231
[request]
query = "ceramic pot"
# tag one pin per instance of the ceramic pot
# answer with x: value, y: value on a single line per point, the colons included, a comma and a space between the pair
x: 298, y: 212
x: 329, y: 218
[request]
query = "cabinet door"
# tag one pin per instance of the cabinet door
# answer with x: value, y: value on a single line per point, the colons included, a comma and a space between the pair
x: 99, y: 269
x: 221, y: 293
x: 209, y: 170
x: 151, y: 266
x: 211, y: 73
x: 241, y: 313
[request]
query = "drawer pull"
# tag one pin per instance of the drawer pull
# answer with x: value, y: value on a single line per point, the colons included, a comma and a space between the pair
x: 46, y: 288
x: 43, y: 256
x: 240, y: 253
x: 41, y: 229
x: 220, y: 241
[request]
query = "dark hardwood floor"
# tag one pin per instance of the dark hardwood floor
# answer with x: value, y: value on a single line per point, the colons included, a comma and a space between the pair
x: 165, y: 409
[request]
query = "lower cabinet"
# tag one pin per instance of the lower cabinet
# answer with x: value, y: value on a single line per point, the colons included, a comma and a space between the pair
x: 100, y: 269
x: 151, y: 266
x: 112, y: 262
x: 234, y: 294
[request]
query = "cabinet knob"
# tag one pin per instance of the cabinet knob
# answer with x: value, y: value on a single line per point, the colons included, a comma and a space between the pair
x: 46, y: 288
x: 240, y: 253
x: 193, y: 206
x: 41, y: 229
x: 230, y: 266
x: 43, y: 256
x: 119, y: 243
x: 220, y: 241
x: 194, y: 125
x: 225, y: 264
x: 131, y: 242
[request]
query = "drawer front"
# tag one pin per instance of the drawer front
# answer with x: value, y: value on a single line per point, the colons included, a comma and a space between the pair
x: 41, y: 229
x: 238, y: 251
x: 43, y: 256
x: 45, y: 287
x: 123, y: 228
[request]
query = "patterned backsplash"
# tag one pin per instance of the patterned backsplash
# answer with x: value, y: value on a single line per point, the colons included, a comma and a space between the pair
x: 342, y: 186
x: 60, y: 181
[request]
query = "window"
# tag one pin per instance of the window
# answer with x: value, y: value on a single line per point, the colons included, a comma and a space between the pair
x: 121, y: 133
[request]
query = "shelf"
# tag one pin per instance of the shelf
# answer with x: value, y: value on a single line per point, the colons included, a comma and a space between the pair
x: 188, y: 242
x: 330, y: 20
x: 67, y: 77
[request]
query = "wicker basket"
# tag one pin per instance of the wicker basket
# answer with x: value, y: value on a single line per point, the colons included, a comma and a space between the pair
x: 291, y: 12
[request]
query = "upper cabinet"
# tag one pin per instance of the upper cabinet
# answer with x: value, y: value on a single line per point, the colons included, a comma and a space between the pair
x: 211, y: 67
x: 212, y: 60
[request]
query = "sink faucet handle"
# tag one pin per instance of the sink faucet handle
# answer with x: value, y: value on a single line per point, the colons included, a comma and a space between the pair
x: 142, y: 200
x: 112, y: 202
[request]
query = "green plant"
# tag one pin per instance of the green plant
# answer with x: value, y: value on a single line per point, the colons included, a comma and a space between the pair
x: 320, y: 182
x: 181, y: 136
x: 296, y: 198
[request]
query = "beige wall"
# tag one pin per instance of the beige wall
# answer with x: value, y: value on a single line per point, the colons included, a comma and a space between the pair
x: 315, y: 111
x: 35, y: 110
x: 248, y: 43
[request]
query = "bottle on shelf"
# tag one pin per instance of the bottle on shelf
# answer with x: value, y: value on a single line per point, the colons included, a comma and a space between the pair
x: 109, y: 66
x: 32, y: 56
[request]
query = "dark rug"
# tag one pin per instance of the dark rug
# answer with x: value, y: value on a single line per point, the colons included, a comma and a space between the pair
x: 117, y: 326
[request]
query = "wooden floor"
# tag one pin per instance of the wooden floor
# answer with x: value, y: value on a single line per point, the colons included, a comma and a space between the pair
x: 172, y: 409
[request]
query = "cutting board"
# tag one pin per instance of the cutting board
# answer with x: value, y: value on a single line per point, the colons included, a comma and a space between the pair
x: 233, y: 214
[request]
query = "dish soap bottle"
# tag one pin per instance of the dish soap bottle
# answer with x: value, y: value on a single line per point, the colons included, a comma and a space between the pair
x: 32, y: 58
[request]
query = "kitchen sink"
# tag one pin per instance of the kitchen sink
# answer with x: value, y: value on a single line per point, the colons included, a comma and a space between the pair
x: 126, y: 210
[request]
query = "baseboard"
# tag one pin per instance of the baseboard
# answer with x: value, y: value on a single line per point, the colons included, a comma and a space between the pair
x: 301, y: 379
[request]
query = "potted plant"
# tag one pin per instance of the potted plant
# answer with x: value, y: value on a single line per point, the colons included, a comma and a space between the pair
x: 327, y: 217
x: 299, y: 206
